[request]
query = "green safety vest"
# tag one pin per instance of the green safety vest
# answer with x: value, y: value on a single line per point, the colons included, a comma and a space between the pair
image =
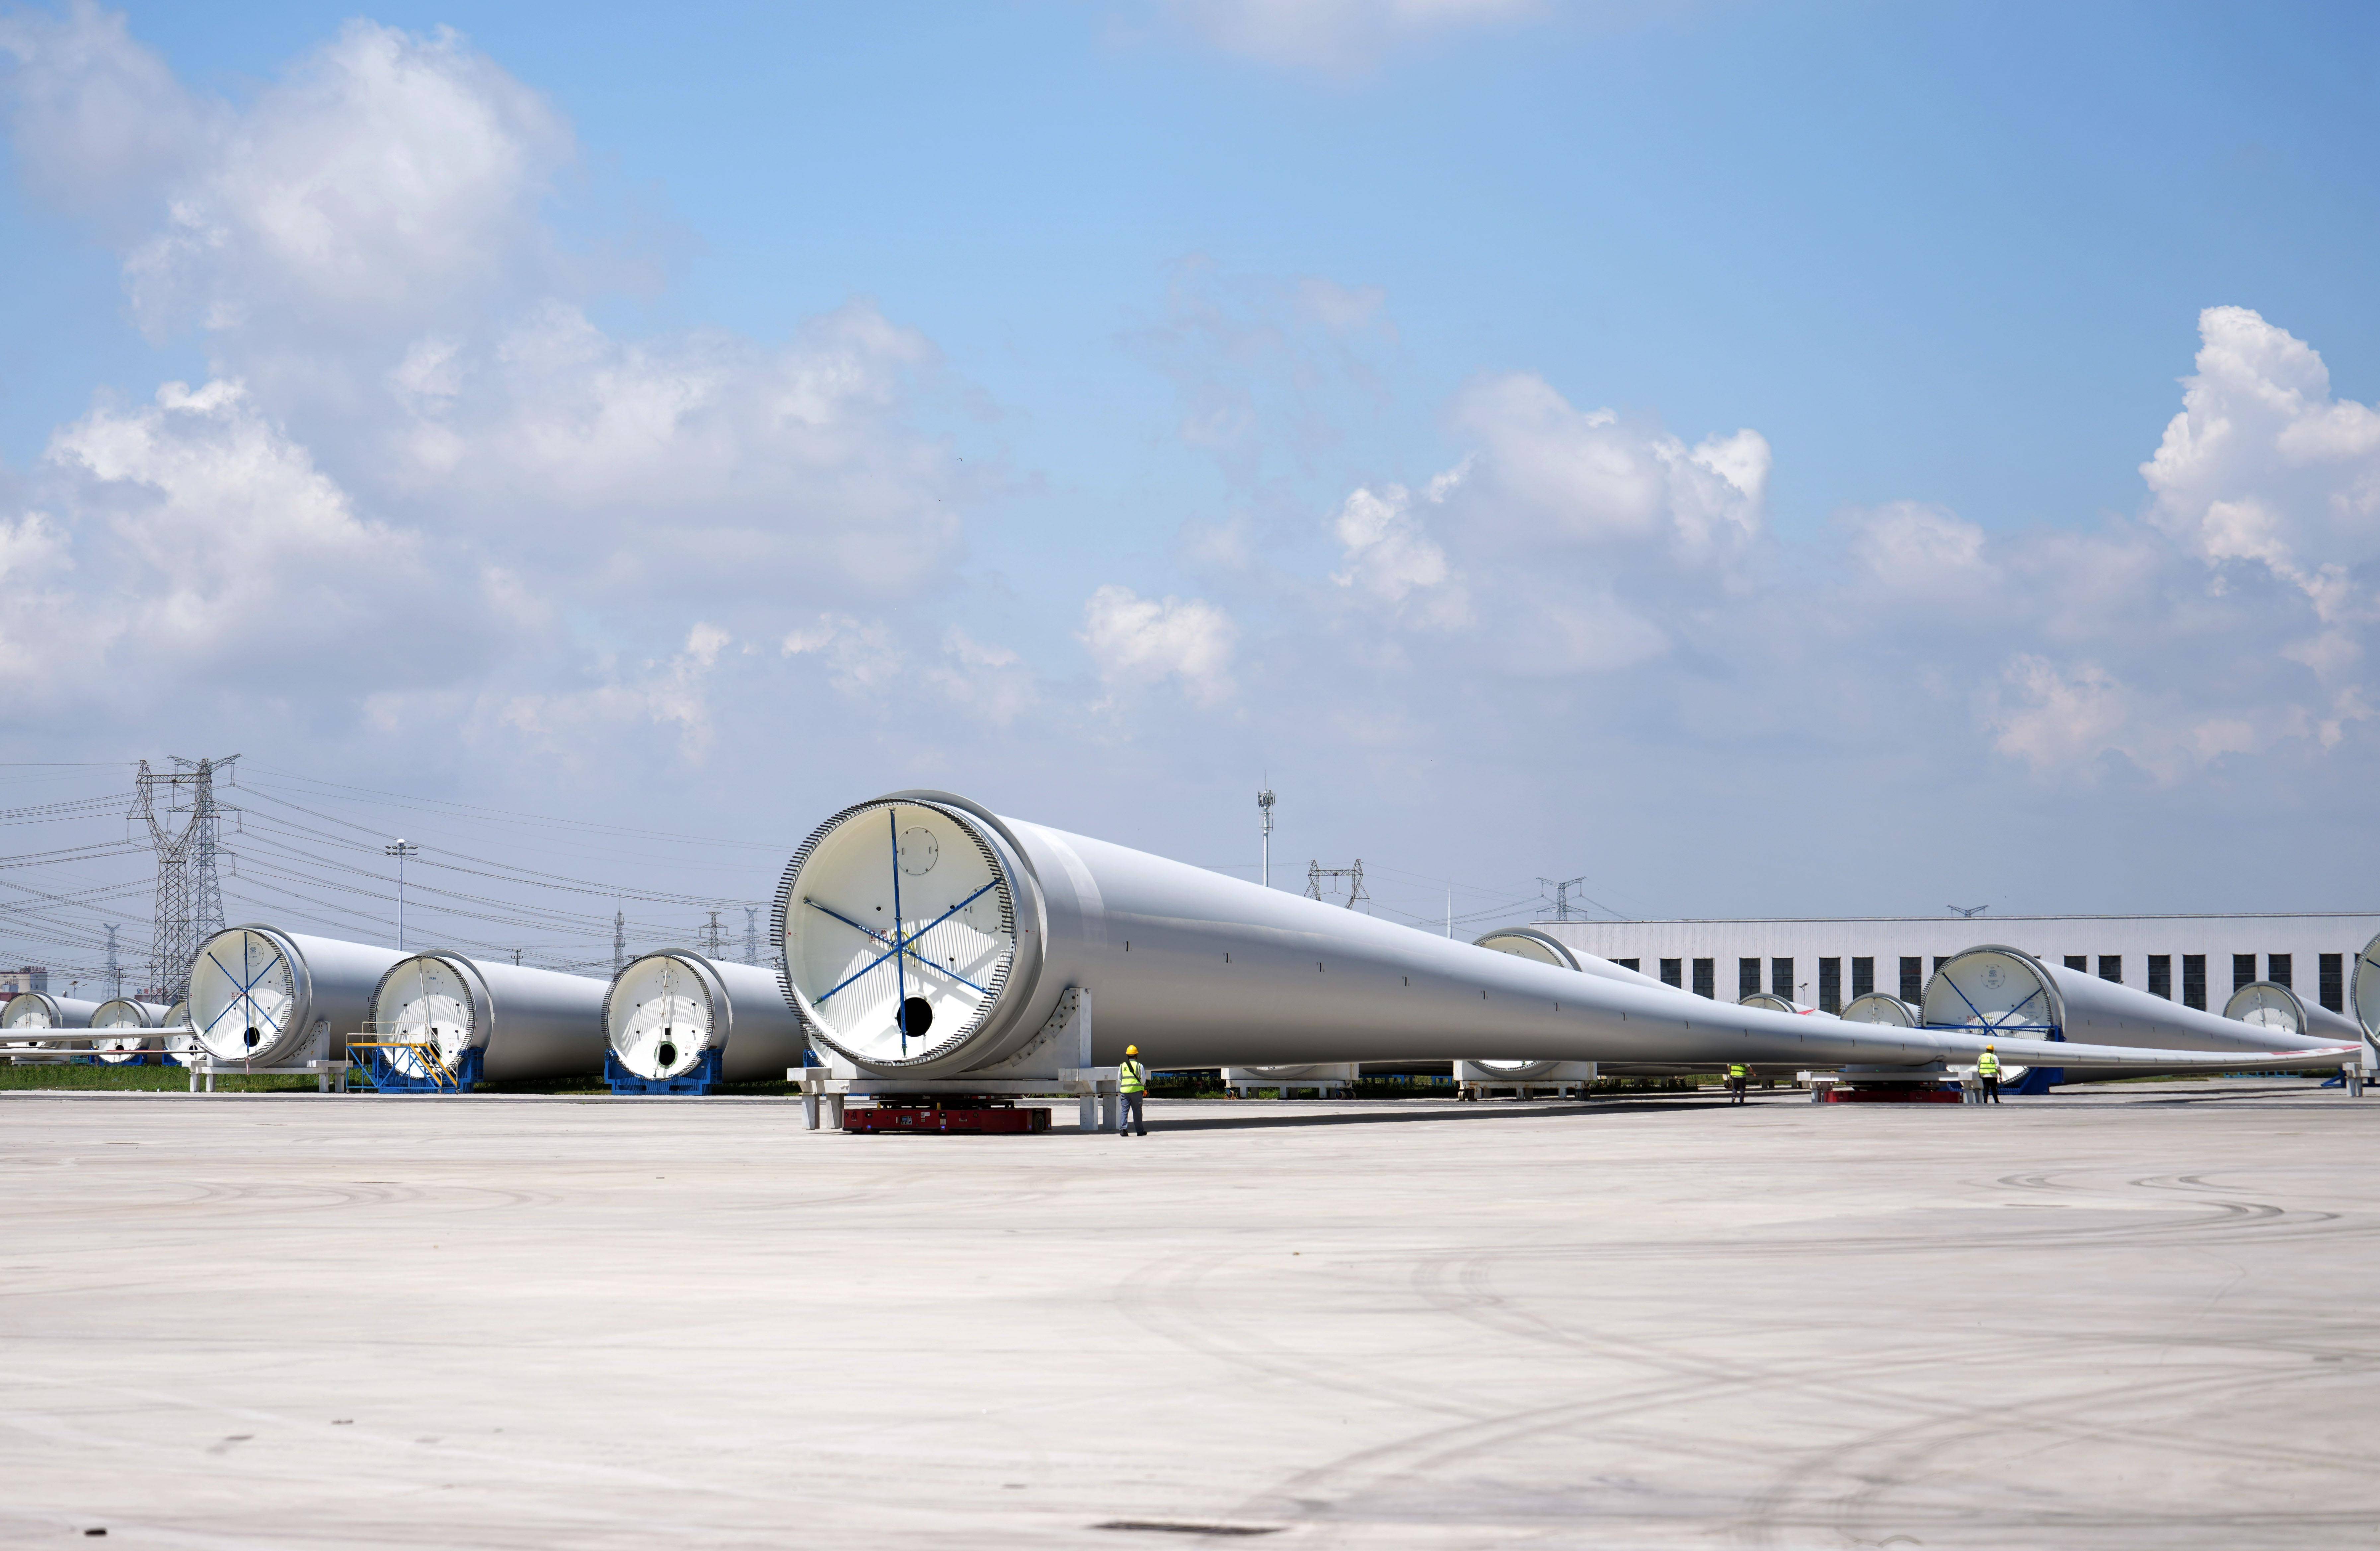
x: 1737, y: 1071
x: 1133, y: 1077
x: 1987, y: 1065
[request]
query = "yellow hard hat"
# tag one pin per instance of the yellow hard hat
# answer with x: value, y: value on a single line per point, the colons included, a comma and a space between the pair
x: 1991, y: 1047
x: 1131, y: 1049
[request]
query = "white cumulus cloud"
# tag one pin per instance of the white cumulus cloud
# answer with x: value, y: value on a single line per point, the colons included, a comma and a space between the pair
x: 417, y: 443
x: 1389, y: 555
x: 1911, y: 548
x: 101, y: 126
x: 1565, y: 541
x: 674, y: 695
x: 1555, y: 473
x: 199, y: 543
x: 387, y: 182
x: 2264, y: 466
x: 703, y: 455
x: 2230, y: 622
x: 1136, y: 641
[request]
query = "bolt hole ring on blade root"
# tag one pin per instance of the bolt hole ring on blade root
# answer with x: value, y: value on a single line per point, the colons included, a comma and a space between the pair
x: 427, y: 1014
x: 663, y: 1012
x: 899, y: 928
x: 1876, y: 1007
x: 245, y: 995
x: 302, y: 996
x: 132, y: 1019
x: 2365, y: 1005
x: 2267, y: 1005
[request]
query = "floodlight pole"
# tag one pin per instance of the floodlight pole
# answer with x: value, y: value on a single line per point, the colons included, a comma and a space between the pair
x: 401, y: 850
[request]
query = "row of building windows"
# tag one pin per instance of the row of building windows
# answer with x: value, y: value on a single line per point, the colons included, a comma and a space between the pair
x: 2331, y: 990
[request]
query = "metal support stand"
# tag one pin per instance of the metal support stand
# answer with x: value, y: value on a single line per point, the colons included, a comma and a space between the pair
x: 1058, y: 1060
x: 329, y: 1076
x: 1562, y: 1079
x: 821, y: 1085
x: 33, y: 1053
x: 422, y: 1072
x: 1324, y: 1080
x: 701, y: 1082
x: 1935, y: 1084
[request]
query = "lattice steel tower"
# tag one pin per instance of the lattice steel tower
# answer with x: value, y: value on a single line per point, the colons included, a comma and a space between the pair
x: 1316, y: 872
x: 189, y: 894
x: 1561, y: 895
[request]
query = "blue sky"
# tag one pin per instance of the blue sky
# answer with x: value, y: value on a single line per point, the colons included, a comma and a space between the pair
x: 1947, y: 253
x: 1167, y: 287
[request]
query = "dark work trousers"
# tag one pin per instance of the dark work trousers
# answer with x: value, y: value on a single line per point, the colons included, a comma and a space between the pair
x: 1735, y: 1089
x: 1991, y: 1087
x: 1131, y: 1118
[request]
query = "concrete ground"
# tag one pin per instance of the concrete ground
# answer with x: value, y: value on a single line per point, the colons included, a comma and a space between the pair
x: 2128, y: 1316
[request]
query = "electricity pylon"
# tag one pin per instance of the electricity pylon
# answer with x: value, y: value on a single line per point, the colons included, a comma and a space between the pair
x: 190, y: 895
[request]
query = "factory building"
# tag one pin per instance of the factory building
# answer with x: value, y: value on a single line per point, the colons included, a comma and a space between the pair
x: 2196, y: 960
x: 15, y: 982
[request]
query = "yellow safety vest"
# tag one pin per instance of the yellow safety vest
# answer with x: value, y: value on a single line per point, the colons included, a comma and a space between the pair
x: 1987, y: 1065
x: 1133, y: 1077
x: 1738, y: 1070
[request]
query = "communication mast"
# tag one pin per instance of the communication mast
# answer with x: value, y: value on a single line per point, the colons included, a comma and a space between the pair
x: 190, y: 895
x: 1316, y: 872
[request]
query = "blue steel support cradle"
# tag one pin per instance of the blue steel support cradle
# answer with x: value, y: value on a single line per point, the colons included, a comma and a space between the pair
x: 384, y: 1076
x: 2040, y: 1079
x: 2037, y: 1079
x: 701, y: 1082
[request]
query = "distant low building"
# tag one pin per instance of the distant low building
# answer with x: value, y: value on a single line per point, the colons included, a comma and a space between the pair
x: 2196, y: 960
x: 14, y: 982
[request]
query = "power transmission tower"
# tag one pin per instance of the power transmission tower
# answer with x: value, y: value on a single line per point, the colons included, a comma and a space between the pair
x: 1264, y: 832
x: 1562, y: 894
x: 619, y: 940
x: 114, y: 971
x: 190, y: 895
x: 712, y: 932
x: 1316, y: 872
x: 752, y: 934
x: 1970, y: 912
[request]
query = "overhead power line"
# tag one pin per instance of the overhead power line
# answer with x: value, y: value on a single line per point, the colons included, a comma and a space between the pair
x: 439, y: 804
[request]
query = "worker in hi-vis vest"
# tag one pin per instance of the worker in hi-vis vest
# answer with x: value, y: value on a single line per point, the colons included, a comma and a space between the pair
x: 1736, y: 1076
x: 1988, y: 1068
x: 1132, y: 1081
